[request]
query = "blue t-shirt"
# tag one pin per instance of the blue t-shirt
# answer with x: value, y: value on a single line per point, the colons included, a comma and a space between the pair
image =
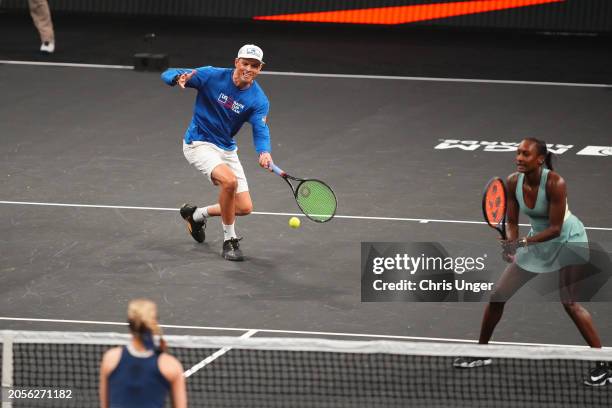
x: 221, y: 108
x: 137, y: 382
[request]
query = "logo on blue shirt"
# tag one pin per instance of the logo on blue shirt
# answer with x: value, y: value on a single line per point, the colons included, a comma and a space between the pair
x: 229, y: 103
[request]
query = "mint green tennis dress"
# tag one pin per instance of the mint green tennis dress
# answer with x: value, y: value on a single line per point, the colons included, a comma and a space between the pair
x: 569, y: 248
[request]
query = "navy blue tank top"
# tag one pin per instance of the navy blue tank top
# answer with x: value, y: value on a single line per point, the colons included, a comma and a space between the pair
x: 136, y: 382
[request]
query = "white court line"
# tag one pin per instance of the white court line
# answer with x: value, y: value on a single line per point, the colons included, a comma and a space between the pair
x: 66, y: 64
x: 215, y: 356
x: 355, y: 217
x: 434, y: 79
x: 346, y: 76
x: 315, y: 333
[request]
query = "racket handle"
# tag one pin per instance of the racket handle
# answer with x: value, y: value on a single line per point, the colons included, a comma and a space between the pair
x: 277, y: 170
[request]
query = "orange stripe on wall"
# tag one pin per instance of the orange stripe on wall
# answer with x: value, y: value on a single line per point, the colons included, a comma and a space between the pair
x: 405, y: 14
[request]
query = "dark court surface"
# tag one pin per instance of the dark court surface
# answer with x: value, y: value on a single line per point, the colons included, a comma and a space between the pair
x: 113, y: 137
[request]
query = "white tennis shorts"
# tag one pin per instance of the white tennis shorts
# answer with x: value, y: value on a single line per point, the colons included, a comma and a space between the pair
x: 206, y: 156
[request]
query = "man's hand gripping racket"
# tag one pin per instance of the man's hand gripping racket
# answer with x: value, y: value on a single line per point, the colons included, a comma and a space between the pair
x: 315, y: 198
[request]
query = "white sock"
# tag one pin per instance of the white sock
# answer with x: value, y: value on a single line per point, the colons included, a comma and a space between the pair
x: 200, y: 213
x: 228, y: 232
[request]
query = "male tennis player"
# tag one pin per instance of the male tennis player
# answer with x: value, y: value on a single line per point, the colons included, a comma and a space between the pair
x: 226, y: 99
x: 557, y: 242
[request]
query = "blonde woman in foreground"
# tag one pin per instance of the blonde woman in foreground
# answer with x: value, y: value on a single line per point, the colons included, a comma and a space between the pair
x: 141, y: 374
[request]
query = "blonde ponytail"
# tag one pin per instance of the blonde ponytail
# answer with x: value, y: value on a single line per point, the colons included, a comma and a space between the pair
x: 142, y: 319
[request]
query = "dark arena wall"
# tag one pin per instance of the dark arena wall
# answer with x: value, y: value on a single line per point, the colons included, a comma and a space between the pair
x: 572, y: 16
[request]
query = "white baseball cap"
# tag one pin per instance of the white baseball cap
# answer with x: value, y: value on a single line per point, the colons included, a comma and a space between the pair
x: 251, y: 51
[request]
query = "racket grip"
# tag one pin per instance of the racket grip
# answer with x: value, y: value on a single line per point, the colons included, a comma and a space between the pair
x: 277, y: 170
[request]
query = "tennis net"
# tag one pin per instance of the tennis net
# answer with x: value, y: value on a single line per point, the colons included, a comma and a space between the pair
x: 293, y: 372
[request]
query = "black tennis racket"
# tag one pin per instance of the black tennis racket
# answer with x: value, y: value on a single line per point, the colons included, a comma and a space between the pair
x: 315, y: 198
x: 494, y: 205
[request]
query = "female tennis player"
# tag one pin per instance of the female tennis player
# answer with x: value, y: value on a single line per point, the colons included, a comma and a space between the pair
x: 540, y: 193
x: 141, y: 374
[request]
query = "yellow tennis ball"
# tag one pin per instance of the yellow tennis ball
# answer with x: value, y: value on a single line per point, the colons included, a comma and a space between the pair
x: 294, y: 222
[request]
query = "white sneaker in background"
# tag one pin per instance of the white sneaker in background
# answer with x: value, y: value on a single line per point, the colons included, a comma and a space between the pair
x: 48, y: 47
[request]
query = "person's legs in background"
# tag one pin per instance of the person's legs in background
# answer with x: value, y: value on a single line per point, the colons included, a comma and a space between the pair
x: 41, y: 15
